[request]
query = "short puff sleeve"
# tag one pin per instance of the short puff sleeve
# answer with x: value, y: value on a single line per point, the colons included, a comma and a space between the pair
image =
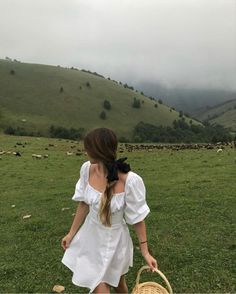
x: 136, y: 208
x: 82, y: 182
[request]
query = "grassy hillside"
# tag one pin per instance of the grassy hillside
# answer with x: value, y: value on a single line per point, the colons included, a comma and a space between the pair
x: 36, y: 96
x: 223, y: 114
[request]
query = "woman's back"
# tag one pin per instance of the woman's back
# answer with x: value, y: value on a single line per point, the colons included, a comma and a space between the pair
x: 98, y: 180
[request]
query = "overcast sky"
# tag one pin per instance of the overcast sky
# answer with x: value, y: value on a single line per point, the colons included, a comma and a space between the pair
x: 188, y: 43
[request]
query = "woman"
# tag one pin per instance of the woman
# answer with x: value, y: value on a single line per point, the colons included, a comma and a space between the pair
x: 111, y: 196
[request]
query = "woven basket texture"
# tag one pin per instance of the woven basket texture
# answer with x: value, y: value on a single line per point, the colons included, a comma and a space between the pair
x: 150, y: 287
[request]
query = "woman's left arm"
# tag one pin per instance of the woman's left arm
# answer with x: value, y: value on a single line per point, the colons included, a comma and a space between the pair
x: 140, y: 229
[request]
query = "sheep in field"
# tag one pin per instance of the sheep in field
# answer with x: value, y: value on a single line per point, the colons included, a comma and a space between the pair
x: 37, y: 156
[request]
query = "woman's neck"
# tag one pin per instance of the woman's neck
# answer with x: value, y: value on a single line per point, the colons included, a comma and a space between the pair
x: 101, y: 170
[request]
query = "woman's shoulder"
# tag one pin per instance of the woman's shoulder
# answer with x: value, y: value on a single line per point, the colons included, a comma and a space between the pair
x: 85, y: 168
x: 133, y: 179
x: 85, y: 165
x: 135, y: 189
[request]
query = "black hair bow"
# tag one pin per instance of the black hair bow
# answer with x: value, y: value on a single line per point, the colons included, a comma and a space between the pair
x: 115, y: 166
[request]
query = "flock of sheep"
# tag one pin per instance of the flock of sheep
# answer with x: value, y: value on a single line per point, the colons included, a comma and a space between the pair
x: 39, y: 156
x: 123, y: 147
x: 176, y: 147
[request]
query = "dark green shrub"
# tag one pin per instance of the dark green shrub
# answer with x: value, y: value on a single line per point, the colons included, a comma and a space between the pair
x: 181, y: 113
x: 123, y: 139
x: 103, y: 115
x: 9, y: 130
x: 107, y: 104
x: 180, y: 132
x: 18, y: 131
x: 136, y: 103
x: 61, y: 132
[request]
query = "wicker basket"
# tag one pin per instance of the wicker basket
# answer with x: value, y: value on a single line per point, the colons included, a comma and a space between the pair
x: 151, y: 287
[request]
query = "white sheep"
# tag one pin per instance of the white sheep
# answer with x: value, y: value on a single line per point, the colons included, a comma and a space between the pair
x: 37, y: 156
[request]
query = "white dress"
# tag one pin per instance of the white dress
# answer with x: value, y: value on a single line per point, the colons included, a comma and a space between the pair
x: 103, y: 254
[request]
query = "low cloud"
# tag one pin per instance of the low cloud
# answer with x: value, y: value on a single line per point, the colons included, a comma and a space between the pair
x: 177, y: 42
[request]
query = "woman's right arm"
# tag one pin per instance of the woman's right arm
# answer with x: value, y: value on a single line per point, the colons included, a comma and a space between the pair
x: 140, y: 229
x: 81, y: 212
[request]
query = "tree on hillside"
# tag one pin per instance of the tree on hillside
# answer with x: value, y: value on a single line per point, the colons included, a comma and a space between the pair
x: 107, y: 104
x: 181, y: 113
x: 155, y: 105
x: 9, y: 130
x: 136, y: 103
x: 12, y: 72
x: 61, y: 89
x: 103, y: 115
x: 181, y: 132
x: 88, y: 84
x: 129, y: 87
x: 214, y: 140
x: 19, y: 131
x: 61, y: 132
x: 160, y: 101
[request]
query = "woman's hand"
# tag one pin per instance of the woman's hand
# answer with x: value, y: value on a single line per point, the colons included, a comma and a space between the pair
x: 65, y: 242
x: 151, y: 261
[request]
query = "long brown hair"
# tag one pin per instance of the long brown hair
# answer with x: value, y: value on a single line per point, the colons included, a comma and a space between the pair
x: 101, y: 144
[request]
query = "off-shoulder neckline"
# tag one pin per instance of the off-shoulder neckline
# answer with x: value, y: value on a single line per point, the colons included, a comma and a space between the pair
x: 120, y: 193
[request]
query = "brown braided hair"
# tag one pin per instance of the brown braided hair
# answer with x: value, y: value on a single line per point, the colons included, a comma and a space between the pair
x: 101, y: 144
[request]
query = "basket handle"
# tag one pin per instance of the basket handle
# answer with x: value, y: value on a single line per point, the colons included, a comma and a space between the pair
x: 146, y: 267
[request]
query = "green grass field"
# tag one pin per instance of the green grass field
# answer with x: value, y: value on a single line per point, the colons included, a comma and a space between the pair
x: 191, y: 228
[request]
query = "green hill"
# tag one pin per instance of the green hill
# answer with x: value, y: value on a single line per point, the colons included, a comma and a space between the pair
x: 223, y: 114
x: 34, y: 97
